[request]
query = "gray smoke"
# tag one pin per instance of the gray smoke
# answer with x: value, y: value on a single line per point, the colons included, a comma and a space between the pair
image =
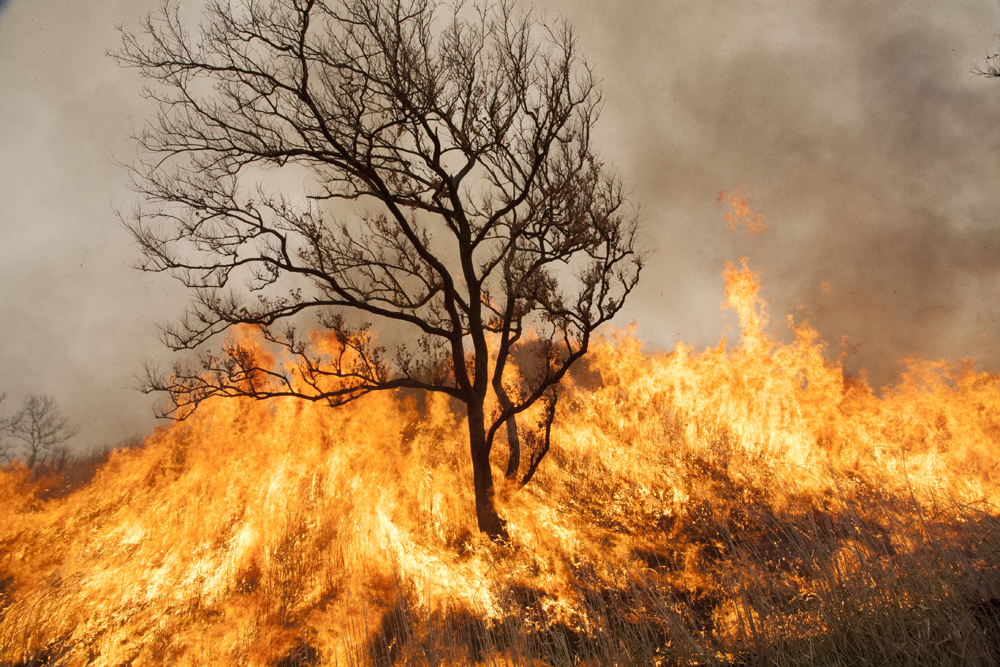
x: 857, y: 127
x: 863, y: 138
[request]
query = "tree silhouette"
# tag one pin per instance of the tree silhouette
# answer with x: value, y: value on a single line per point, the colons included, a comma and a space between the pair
x: 6, y: 451
x: 991, y: 68
x: 40, y: 427
x: 423, y: 169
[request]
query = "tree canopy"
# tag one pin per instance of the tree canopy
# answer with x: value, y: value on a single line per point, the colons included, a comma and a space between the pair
x: 384, y: 164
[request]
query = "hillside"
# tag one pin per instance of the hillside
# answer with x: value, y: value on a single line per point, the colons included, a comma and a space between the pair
x: 744, y: 505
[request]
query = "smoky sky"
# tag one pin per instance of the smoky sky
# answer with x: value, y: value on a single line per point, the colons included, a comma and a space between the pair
x: 856, y: 127
x: 862, y: 136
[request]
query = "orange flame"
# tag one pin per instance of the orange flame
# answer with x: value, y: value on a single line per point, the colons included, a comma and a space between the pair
x: 696, y: 507
x: 740, y: 201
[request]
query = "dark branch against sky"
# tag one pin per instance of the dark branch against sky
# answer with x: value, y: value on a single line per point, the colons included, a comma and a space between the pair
x: 857, y: 127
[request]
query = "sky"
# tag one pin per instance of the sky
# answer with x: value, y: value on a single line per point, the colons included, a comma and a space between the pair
x: 856, y: 127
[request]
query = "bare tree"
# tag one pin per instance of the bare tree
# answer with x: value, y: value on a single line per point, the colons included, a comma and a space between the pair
x: 990, y: 68
x: 450, y: 194
x: 6, y: 451
x: 40, y: 427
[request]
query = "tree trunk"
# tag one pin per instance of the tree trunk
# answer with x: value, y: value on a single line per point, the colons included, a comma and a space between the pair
x: 489, y: 520
x: 513, y: 442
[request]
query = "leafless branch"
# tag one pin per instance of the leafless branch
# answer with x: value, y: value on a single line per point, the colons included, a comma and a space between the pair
x: 444, y: 184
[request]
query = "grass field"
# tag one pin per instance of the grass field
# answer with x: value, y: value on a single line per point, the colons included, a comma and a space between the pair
x: 745, y: 505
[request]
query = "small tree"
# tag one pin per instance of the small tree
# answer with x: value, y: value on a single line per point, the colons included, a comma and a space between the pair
x: 990, y: 68
x: 451, y: 191
x: 40, y: 427
x: 6, y: 452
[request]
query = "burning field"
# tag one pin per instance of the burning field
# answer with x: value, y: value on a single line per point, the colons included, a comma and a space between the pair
x: 745, y: 505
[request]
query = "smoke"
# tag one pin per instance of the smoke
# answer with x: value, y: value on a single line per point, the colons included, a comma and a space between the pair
x: 76, y: 321
x: 863, y: 138
x: 856, y: 127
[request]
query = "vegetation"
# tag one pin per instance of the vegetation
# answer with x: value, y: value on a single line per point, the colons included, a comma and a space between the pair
x: 444, y: 187
x: 743, y: 507
x: 35, y: 434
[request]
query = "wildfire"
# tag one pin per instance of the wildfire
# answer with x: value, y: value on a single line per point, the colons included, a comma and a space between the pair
x: 697, y: 508
x: 742, y: 215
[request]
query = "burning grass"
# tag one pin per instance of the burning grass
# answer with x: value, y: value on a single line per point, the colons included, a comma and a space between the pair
x: 743, y: 507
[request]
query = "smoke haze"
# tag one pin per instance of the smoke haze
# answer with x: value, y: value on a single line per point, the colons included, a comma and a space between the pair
x: 856, y: 127
x: 865, y: 141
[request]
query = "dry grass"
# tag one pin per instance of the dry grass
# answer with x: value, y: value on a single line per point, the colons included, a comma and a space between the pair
x: 754, y: 571
x: 751, y: 507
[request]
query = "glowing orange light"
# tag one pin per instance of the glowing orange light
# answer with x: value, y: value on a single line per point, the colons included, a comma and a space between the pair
x: 695, y: 503
x: 742, y: 215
